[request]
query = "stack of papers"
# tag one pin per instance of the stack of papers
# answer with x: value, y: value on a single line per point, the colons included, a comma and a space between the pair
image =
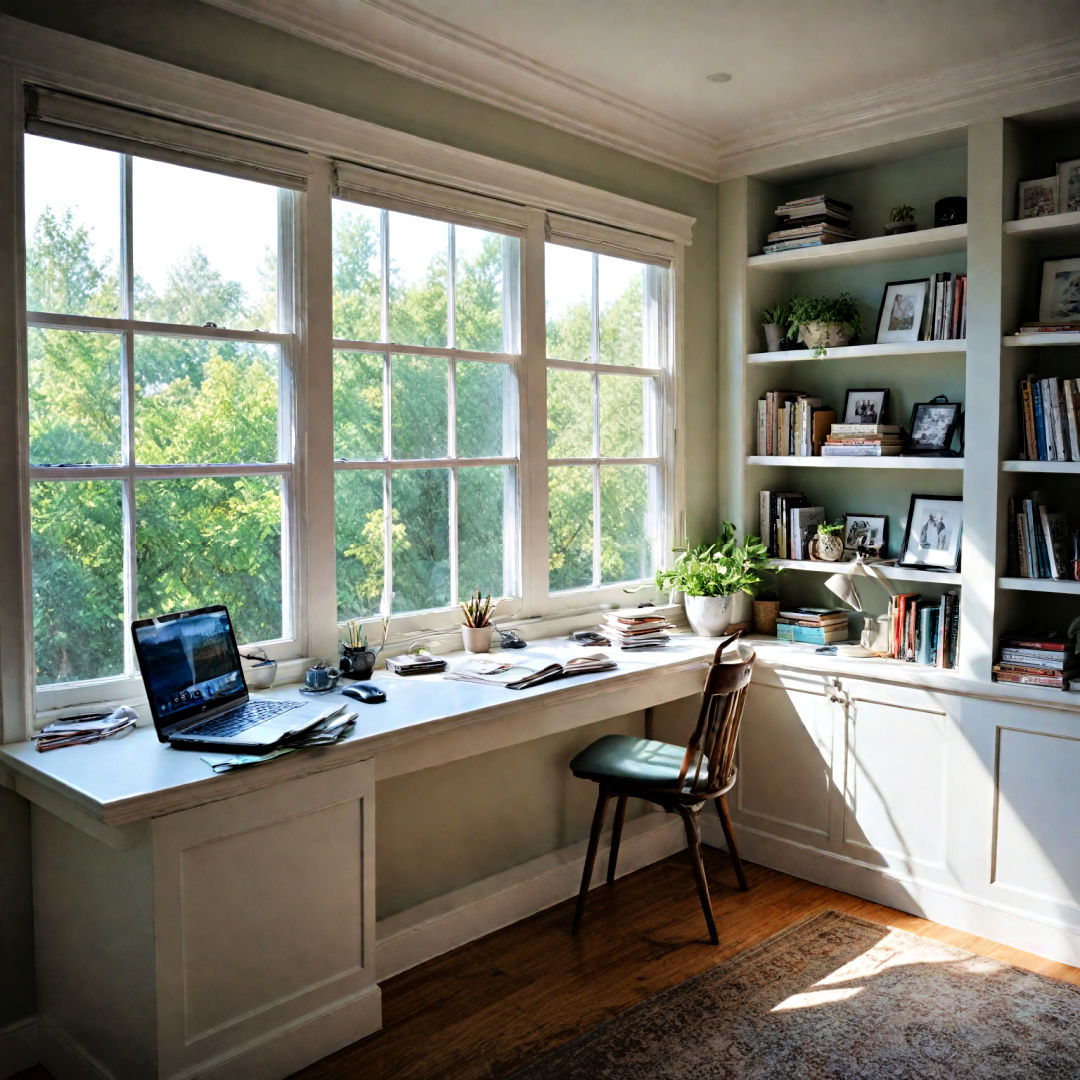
x: 526, y: 671
x: 635, y: 628
x: 83, y: 729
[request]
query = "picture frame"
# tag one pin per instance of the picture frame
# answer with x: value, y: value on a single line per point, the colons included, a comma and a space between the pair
x: 866, y: 535
x: 933, y: 424
x: 900, y: 316
x: 865, y: 406
x: 1037, y: 198
x: 1059, y: 291
x: 932, y: 533
x: 1068, y: 178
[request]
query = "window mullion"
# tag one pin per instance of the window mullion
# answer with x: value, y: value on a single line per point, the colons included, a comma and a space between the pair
x: 384, y: 274
x: 596, y: 524
x: 127, y: 404
x: 127, y: 246
x: 455, y: 583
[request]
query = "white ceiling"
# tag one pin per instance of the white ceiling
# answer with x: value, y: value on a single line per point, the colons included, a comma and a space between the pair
x: 631, y: 73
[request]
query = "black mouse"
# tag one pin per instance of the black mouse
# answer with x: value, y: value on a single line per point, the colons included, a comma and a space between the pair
x: 367, y: 692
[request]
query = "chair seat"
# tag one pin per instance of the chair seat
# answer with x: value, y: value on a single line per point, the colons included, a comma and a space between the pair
x: 629, y: 758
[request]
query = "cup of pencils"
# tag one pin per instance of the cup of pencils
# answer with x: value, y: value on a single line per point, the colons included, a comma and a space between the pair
x: 357, y: 660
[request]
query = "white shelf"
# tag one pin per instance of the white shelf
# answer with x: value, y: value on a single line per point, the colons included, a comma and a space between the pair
x: 1049, y: 585
x: 1020, y: 341
x: 913, y: 245
x: 1067, y: 467
x: 896, y: 573
x: 1051, y: 225
x: 863, y: 352
x: 897, y: 462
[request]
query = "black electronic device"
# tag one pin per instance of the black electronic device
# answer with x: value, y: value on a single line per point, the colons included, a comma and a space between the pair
x: 511, y: 639
x: 367, y: 692
x: 589, y: 638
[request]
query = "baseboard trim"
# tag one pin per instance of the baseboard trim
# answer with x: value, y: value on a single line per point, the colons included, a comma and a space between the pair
x: 18, y: 1046
x: 1051, y: 939
x: 65, y: 1057
x: 430, y: 929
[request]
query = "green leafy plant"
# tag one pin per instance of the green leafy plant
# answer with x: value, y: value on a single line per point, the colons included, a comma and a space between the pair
x: 902, y: 214
x: 839, y: 310
x: 774, y: 313
x: 721, y: 568
x: 477, y: 610
x: 768, y: 587
x: 827, y: 528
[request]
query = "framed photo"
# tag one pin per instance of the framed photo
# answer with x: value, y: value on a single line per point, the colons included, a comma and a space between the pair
x: 1068, y: 177
x: 901, y: 312
x: 865, y: 406
x: 1059, y: 297
x: 866, y: 535
x: 933, y: 424
x: 1038, y: 197
x: 932, y: 535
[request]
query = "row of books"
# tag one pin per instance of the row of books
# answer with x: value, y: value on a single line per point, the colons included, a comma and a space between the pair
x: 1036, y: 659
x: 787, y: 523
x: 1049, y: 328
x: 812, y: 626
x: 791, y: 423
x: 925, y: 630
x: 1040, y: 543
x: 635, y: 628
x: 810, y: 222
x: 945, y: 314
x: 1049, y: 419
x: 863, y: 440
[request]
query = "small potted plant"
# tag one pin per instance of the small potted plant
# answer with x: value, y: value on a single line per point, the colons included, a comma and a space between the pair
x: 772, y: 322
x: 767, y: 600
x: 823, y: 322
x: 709, y: 575
x: 827, y: 544
x: 357, y: 658
x: 901, y: 220
x: 476, y: 633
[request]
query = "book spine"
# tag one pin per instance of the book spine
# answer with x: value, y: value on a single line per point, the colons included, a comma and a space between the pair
x: 1023, y: 556
x: 1032, y: 450
x: 1040, y: 429
x: 1072, y: 408
x: 1032, y: 680
x: 1011, y: 561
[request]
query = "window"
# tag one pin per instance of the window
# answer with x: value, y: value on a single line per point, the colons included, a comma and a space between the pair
x: 160, y: 418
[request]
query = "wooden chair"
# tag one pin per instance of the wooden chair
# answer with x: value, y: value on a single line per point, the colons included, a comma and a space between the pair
x: 679, y: 779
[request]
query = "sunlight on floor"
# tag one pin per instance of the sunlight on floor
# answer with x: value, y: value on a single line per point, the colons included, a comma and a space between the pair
x: 812, y: 998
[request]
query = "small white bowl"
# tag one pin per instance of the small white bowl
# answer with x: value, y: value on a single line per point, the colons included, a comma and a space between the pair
x: 261, y: 676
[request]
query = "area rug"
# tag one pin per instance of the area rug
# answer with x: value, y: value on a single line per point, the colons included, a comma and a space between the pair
x: 838, y: 998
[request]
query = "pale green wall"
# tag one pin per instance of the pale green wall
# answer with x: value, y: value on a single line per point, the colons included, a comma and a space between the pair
x: 441, y: 828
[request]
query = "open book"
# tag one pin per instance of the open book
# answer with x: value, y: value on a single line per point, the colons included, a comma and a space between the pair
x: 525, y: 671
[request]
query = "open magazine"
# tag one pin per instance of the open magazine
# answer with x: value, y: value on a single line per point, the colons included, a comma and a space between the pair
x: 525, y: 671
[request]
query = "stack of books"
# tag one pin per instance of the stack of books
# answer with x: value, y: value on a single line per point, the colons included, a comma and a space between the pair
x: 813, y: 626
x: 1049, y: 419
x: 862, y: 440
x: 1040, y: 542
x: 792, y: 424
x: 1036, y: 659
x: 787, y: 522
x: 945, y: 314
x: 925, y: 629
x: 1049, y: 328
x: 635, y: 628
x: 810, y: 222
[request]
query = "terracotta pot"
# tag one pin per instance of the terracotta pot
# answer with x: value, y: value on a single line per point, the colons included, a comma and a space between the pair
x: 826, y: 547
x: 708, y: 616
x: 477, y: 639
x: 765, y: 612
x: 822, y: 335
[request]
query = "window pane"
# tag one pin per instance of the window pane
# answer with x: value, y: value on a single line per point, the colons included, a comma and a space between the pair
x: 481, y: 309
x: 485, y: 413
x: 357, y: 272
x: 570, y: 527
x: 622, y: 415
x: 215, y: 540
x: 419, y: 388
x: 622, y: 301
x: 358, y: 406
x: 625, y: 548
x: 205, y: 247
x: 74, y: 382
x: 485, y: 496
x: 421, y: 502
x: 72, y: 228
x: 360, y: 521
x: 199, y: 401
x: 419, y: 280
x: 568, y: 290
x: 570, y: 414
x: 78, y: 553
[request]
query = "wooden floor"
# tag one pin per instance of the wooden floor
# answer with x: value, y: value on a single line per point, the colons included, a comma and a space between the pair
x: 488, y: 1008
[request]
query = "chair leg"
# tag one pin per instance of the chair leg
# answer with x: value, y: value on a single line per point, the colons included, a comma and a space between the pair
x: 590, y: 856
x: 729, y: 836
x: 693, y: 845
x: 616, y: 836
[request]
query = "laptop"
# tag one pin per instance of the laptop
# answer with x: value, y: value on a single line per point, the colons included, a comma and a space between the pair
x: 198, y: 696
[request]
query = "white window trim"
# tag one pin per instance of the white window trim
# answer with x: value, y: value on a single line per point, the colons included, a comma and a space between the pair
x: 31, y: 55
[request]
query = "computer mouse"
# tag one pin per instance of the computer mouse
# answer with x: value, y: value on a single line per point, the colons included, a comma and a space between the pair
x: 367, y: 692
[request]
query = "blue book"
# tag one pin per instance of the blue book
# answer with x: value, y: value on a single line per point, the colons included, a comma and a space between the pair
x: 926, y: 635
x: 1040, y: 431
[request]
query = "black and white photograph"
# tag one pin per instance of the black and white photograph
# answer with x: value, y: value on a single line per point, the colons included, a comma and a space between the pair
x: 1059, y: 298
x: 901, y: 314
x: 932, y: 535
x: 865, y: 406
x: 1068, y: 177
x: 932, y: 426
x: 866, y: 535
x: 1038, y: 198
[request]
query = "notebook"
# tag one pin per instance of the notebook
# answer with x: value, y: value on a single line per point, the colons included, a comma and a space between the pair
x: 198, y: 696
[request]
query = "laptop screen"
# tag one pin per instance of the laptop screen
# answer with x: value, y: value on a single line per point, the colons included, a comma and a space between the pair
x: 190, y: 665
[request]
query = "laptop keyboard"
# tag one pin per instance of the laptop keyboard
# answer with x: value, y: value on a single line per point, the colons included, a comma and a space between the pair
x: 247, y: 716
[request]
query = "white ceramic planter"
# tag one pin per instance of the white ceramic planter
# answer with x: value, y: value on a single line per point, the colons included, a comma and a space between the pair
x: 476, y: 638
x: 708, y: 616
x: 821, y: 335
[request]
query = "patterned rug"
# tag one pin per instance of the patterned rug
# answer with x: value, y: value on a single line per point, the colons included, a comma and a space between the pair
x: 837, y: 998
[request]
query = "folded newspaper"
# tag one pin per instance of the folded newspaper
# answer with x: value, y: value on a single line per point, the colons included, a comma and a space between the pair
x: 332, y: 730
x: 525, y: 671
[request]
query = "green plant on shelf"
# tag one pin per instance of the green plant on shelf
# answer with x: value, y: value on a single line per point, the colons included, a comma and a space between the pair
x: 722, y: 568
x: 823, y: 321
x: 902, y: 215
x: 774, y: 314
